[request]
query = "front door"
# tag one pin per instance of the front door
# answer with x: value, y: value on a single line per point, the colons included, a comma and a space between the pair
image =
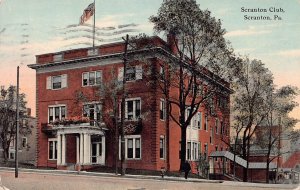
x: 97, y: 153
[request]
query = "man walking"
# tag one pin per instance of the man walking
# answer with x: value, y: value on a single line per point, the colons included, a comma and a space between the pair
x: 186, y: 168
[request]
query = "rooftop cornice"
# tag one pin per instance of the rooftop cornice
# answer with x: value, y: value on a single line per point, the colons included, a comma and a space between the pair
x: 120, y: 55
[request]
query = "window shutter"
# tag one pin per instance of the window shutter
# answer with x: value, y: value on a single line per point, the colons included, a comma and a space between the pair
x: 138, y: 72
x: 120, y: 74
x: 49, y: 83
x: 64, y: 81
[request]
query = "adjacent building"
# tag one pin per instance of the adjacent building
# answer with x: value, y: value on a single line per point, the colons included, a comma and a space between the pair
x: 77, y: 94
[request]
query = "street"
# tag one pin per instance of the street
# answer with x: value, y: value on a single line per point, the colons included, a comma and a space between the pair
x: 43, y: 181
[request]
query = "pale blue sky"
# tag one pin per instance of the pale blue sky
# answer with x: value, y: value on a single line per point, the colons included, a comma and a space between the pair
x: 32, y: 27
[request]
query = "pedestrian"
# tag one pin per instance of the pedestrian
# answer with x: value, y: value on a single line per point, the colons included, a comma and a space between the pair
x: 186, y: 168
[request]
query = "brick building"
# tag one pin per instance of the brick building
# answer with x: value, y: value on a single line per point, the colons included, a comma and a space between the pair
x: 75, y: 123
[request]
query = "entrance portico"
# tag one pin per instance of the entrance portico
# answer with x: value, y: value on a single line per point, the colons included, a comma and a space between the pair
x: 90, y: 144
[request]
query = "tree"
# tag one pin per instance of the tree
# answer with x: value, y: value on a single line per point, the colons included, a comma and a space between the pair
x: 277, y: 123
x: 8, y: 117
x: 253, y: 85
x: 202, y: 59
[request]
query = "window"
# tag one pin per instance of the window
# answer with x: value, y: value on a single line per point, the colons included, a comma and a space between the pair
x: 132, y: 73
x: 11, y: 154
x: 206, y: 123
x: 133, y: 109
x: 96, y: 150
x: 162, y: 147
x: 24, y: 142
x: 56, y: 113
x: 211, y: 135
x: 56, y: 82
x: 93, y: 112
x: 162, y: 109
x: 192, y: 150
x: 188, y: 151
x: 195, y: 151
x: 132, y: 147
x: 93, y: 52
x: 216, y: 125
x: 199, y: 120
x: 91, y: 78
x: 216, y: 158
x: 199, y: 149
x: 52, y: 149
x: 162, y: 73
x: 205, y: 151
x: 58, y: 57
x: 222, y: 128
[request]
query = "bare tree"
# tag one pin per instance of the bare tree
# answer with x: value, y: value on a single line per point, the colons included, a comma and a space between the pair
x: 202, y: 59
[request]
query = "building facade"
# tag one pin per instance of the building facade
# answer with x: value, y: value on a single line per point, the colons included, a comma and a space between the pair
x: 77, y: 91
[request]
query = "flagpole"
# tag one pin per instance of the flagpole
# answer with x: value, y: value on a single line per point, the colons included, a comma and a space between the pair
x: 94, y: 26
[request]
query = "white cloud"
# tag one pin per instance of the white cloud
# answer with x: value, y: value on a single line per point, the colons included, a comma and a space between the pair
x: 248, y: 32
x: 290, y: 53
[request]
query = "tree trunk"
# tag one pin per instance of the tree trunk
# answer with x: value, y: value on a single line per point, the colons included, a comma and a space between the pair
x: 183, y: 146
x: 267, y: 170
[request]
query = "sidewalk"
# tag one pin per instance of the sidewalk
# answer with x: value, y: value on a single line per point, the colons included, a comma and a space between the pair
x: 167, y: 178
x: 64, y: 172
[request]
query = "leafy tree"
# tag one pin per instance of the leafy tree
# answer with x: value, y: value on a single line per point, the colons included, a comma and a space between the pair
x: 253, y: 85
x: 202, y: 59
x: 8, y: 117
x: 277, y: 123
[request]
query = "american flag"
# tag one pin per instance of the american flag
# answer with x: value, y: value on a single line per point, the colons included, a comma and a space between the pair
x: 87, y: 13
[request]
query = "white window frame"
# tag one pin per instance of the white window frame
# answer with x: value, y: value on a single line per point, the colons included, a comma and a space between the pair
x: 206, y: 123
x: 95, y: 110
x: 58, y: 57
x: 52, y: 140
x: 138, y: 73
x: 134, y: 137
x: 11, y: 152
x: 194, y: 150
x: 199, y: 120
x: 53, y: 109
x: 163, y: 140
x: 88, y: 78
x: 63, y: 82
x: 134, y: 117
x: 188, y: 150
x: 162, y: 109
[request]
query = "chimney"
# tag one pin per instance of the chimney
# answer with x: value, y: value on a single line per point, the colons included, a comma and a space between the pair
x: 173, y: 43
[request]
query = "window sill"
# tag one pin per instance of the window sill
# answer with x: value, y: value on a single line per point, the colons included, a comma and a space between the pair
x: 133, y: 159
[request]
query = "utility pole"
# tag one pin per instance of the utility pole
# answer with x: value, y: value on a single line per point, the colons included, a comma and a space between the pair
x: 17, y: 126
x: 123, y: 161
x: 115, y: 120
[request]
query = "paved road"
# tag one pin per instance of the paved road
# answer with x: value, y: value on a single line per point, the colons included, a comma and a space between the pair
x: 38, y: 181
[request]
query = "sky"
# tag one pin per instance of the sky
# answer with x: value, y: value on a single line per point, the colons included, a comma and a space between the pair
x: 33, y: 27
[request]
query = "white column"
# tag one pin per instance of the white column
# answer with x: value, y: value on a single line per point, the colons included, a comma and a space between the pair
x: 81, y: 149
x: 85, y: 148
x: 63, y: 149
x: 89, y: 149
x: 77, y: 150
x: 58, y: 149
x: 103, y: 150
